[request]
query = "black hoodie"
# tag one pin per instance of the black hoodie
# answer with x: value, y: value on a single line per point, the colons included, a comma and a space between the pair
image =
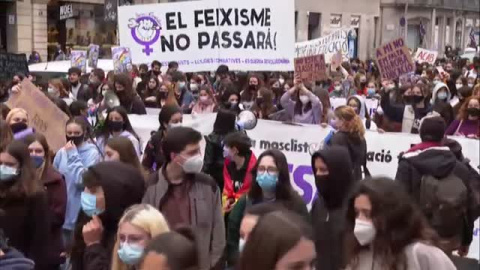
x: 329, y: 209
x: 439, y: 162
x: 123, y: 186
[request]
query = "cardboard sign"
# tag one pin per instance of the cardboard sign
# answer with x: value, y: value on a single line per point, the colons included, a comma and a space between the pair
x: 425, y: 56
x: 310, y: 68
x: 245, y: 35
x: 11, y: 64
x: 43, y: 115
x: 394, y: 59
x: 328, y: 45
x: 122, y: 59
x: 79, y: 59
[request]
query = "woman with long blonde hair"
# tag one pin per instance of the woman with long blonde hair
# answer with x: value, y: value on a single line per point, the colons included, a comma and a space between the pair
x: 138, y: 225
x: 351, y: 135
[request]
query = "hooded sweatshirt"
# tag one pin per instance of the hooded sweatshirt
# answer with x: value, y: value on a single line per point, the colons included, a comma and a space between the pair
x: 14, y: 260
x: 123, y: 186
x: 329, y: 209
x: 436, y: 88
x: 71, y: 164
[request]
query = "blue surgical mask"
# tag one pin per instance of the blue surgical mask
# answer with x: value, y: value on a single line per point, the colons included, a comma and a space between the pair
x: 7, y: 173
x: 241, y: 244
x: 130, y: 254
x: 371, y: 92
x: 89, y: 204
x: 181, y: 84
x: 37, y: 161
x: 267, y: 182
x: 442, y: 95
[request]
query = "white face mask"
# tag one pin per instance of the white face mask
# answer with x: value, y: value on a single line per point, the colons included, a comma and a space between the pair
x: 338, y: 88
x: 304, y: 99
x: 193, y: 164
x: 470, y: 85
x: 458, y: 86
x: 174, y: 125
x: 203, y: 98
x: 364, y: 231
x: 281, y: 80
x: 53, y: 92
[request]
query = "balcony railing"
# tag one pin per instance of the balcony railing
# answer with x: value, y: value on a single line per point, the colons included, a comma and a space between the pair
x: 470, y: 5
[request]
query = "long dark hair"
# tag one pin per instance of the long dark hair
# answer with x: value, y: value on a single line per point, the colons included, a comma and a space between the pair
x: 398, y: 222
x: 6, y: 134
x: 284, y: 190
x: 25, y: 184
x: 225, y: 122
x: 105, y: 131
x: 274, y: 235
x: 124, y: 80
x: 126, y: 150
x: 247, y: 93
x: 299, y: 109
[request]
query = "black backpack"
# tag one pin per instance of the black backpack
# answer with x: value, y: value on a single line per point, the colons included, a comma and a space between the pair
x: 444, y: 203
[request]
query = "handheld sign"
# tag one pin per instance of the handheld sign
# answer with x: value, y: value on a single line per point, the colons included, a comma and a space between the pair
x: 43, y: 115
x: 11, y: 64
x: 122, y: 59
x: 425, y: 56
x: 79, y: 59
x: 394, y: 59
x: 93, y: 51
x: 310, y: 68
x: 328, y: 45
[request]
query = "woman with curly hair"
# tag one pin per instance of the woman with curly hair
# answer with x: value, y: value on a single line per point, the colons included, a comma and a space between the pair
x: 387, y: 231
x: 351, y: 134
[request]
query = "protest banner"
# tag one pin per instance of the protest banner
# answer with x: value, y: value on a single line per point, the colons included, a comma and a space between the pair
x: 11, y: 64
x: 93, y: 51
x: 393, y: 59
x: 79, y: 59
x: 311, y: 68
x: 122, y: 59
x: 425, y: 56
x: 328, y: 45
x: 245, y: 35
x: 43, y: 115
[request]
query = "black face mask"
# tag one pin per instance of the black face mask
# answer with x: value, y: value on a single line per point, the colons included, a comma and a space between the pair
x: 474, y: 112
x: 74, y: 84
x: 116, y: 126
x: 322, y: 184
x: 252, y: 87
x: 259, y: 101
x: 410, y: 100
x: 162, y: 95
x: 417, y: 99
x: 77, y: 140
x: 17, y: 127
x: 156, y: 73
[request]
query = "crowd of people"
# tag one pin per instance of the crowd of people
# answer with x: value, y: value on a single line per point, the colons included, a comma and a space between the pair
x: 103, y: 201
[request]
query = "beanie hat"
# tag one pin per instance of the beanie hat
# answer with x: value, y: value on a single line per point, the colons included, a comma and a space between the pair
x: 432, y: 128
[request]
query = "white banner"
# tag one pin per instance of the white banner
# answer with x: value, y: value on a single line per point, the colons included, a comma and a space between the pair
x: 425, y: 56
x: 297, y: 142
x: 201, y: 35
x: 328, y: 45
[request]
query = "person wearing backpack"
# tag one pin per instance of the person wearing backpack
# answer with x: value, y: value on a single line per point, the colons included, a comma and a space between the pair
x: 439, y: 183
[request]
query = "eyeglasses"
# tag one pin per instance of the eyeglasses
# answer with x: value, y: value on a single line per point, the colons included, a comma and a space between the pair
x: 269, y: 170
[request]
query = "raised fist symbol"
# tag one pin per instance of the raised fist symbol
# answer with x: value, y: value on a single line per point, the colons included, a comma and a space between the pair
x: 146, y: 30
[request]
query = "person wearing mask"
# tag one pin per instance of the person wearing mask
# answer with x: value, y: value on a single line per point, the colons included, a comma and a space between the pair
x: 213, y: 160
x: 57, y: 90
x: 431, y: 166
x: 139, y: 224
x: 163, y: 94
x: 371, y: 90
x: 305, y: 108
x: 129, y: 99
x: 351, y: 135
x: 56, y: 190
x: 121, y: 149
x: 280, y: 240
x: 249, y: 94
x: 462, y: 94
x: 387, y: 231
x: 95, y: 81
x: 156, y: 67
x: 151, y: 93
x: 467, y: 123
x: 206, y: 102
x: 170, y: 116
x: 271, y: 184
x: 264, y: 106
x: 440, y: 93
x: 230, y: 100
x: 78, y: 91
x: 171, y: 251
x: 172, y: 67
x: 334, y: 180
x: 237, y: 170
x: 17, y: 119
x: 117, y: 124
x: 71, y: 161
x: 25, y: 214
x: 182, y: 94
x: 357, y: 103
x: 109, y: 189
x: 178, y: 191
x: 361, y: 83
x: 6, y: 135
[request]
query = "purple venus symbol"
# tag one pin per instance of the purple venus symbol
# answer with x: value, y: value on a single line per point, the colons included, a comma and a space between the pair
x: 146, y: 32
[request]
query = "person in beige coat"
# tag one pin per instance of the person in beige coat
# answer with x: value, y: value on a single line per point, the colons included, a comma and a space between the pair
x: 387, y: 231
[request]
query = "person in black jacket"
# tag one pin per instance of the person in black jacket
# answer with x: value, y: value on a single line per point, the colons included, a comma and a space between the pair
x: 213, y: 160
x: 129, y: 99
x: 78, y: 91
x: 110, y: 188
x: 24, y: 216
x: 334, y: 180
x: 432, y: 158
x: 351, y: 134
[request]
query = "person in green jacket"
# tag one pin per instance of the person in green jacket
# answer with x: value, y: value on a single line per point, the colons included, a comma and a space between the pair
x: 272, y: 184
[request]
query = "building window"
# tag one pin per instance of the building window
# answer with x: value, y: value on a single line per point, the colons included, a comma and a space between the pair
x: 336, y: 20
x: 447, y: 31
x: 313, y: 25
x: 355, y: 21
x: 458, y: 34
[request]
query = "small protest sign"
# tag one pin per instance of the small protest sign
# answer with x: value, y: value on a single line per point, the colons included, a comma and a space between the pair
x: 122, y: 59
x: 310, y: 68
x: 336, y: 61
x: 11, y: 64
x: 43, y: 115
x: 393, y: 59
x: 93, y: 51
x: 79, y: 59
x: 425, y: 56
